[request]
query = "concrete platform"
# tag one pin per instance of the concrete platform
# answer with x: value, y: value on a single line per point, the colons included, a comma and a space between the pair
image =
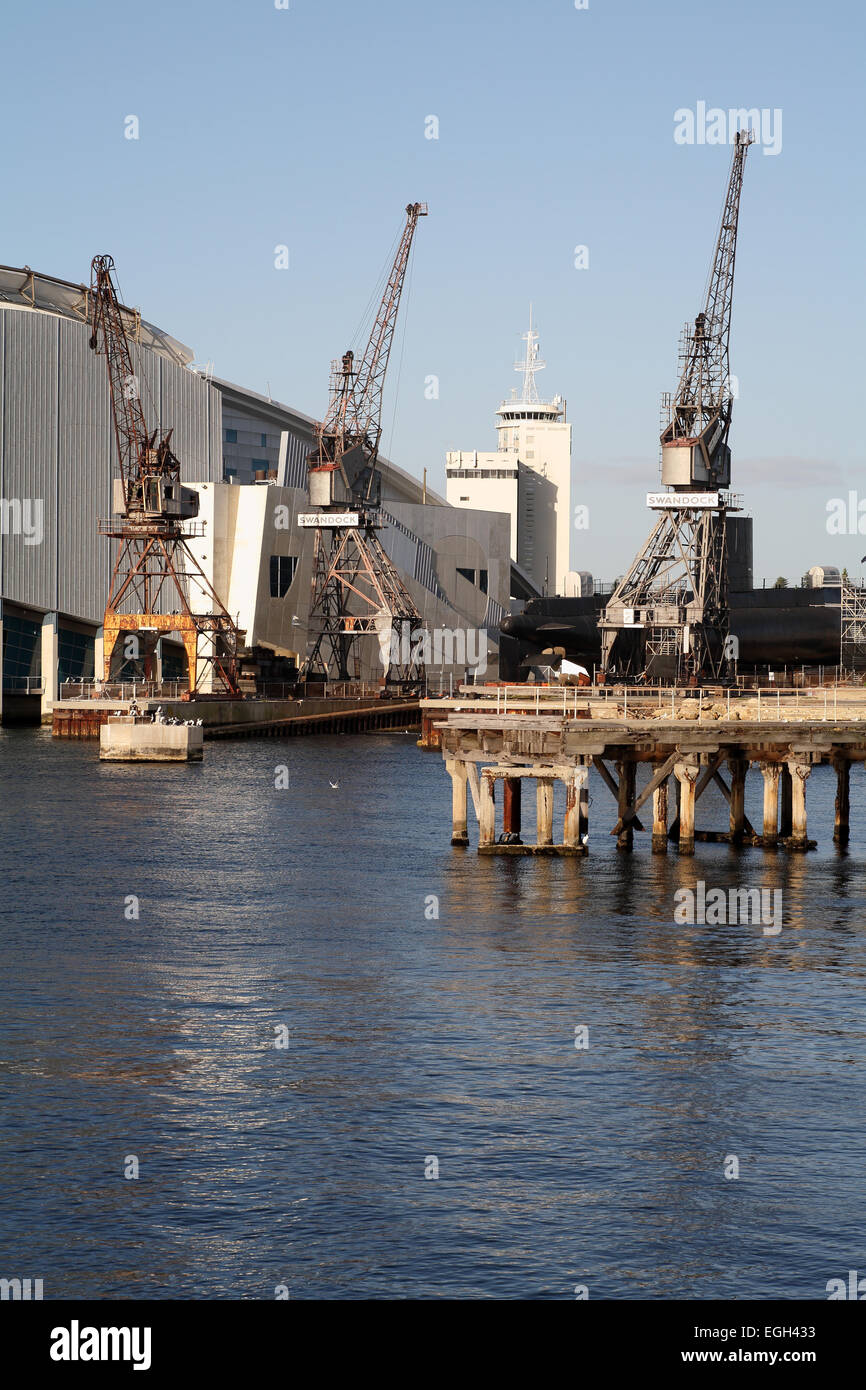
x: 122, y: 740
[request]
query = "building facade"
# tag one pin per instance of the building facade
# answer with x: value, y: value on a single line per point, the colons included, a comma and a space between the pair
x: 528, y: 477
x: 244, y: 452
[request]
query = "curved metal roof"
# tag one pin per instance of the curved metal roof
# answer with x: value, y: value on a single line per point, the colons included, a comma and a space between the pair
x: 28, y: 289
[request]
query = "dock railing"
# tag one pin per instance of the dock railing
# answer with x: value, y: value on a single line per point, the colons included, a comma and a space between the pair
x: 762, y: 705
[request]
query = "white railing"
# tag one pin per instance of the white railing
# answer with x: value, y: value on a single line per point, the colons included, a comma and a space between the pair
x: 765, y: 704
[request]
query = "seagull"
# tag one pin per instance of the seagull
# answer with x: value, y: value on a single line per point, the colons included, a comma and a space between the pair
x: 335, y: 785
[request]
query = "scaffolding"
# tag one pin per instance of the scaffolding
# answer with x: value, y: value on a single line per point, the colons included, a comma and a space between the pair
x: 852, y: 637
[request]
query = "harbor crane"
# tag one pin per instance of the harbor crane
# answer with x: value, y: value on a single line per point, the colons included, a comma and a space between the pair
x: 157, y: 584
x: 668, y: 618
x: 356, y: 589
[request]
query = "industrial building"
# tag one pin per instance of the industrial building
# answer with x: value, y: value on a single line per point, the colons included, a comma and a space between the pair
x: 246, y: 455
x: 528, y: 477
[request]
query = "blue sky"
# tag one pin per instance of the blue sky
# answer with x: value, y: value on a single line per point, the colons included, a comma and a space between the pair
x: 306, y: 127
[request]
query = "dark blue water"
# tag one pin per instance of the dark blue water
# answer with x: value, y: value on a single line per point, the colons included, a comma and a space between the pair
x: 410, y: 1037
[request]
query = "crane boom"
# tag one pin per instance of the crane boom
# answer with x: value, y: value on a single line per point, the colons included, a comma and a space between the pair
x: 695, y: 450
x: 354, y: 418
x: 143, y: 461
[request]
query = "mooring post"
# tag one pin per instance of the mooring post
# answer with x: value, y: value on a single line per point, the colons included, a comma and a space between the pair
x: 459, y: 832
x: 487, y: 811
x: 738, y: 768
x: 511, y: 805
x: 544, y: 811
x: 843, y: 801
x: 799, y: 772
x: 660, y: 817
x: 785, y: 804
x: 627, y: 771
x: 770, y: 773
x: 687, y: 775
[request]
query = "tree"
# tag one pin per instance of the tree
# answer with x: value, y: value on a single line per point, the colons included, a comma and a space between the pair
x: 781, y: 582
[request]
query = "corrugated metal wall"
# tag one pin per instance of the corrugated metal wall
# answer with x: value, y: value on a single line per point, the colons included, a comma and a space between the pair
x: 57, y: 446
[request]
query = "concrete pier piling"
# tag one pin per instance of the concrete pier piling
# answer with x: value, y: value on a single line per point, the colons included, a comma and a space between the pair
x: 660, y: 818
x: 487, y: 811
x: 627, y: 772
x: 459, y: 827
x: 511, y: 805
x: 686, y: 774
x: 544, y: 812
x: 738, y: 768
x: 841, y: 827
x: 483, y: 743
x: 770, y: 773
x: 799, y: 772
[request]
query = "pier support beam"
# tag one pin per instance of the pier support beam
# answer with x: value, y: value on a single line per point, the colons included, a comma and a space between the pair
x: 583, y: 807
x: 785, y: 804
x: 687, y: 775
x: 627, y: 771
x: 574, y: 785
x: 799, y: 772
x: 544, y: 811
x: 486, y: 812
x: 458, y: 772
x: 841, y: 827
x: 660, y: 818
x: 511, y: 805
x: 738, y: 768
x: 770, y: 773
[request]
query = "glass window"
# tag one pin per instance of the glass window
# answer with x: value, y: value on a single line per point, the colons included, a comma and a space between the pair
x: 467, y: 574
x: 482, y: 581
x: 282, y: 573
x: 22, y: 648
x: 74, y: 656
x: 231, y: 436
x: 264, y: 441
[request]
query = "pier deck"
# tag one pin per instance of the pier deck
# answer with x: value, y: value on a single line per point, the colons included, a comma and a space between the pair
x: 483, y: 746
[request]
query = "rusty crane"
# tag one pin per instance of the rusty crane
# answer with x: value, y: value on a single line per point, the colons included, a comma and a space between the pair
x: 356, y: 589
x: 668, y: 618
x: 157, y: 584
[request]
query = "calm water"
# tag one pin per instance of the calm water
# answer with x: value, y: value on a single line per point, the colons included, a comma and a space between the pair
x: 410, y: 1037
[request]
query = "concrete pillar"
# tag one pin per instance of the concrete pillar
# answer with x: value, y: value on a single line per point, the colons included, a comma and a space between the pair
x: 487, y: 812
x: 738, y: 768
x: 785, y: 804
x: 687, y: 775
x: 99, y: 656
x: 583, y: 807
x: 841, y: 827
x: 799, y: 773
x: 511, y: 805
x: 157, y: 662
x: 770, y: 772
x: 50, y: 655
x: 458, y: 772
x: 544, y: 810
x: 660, y: 818
x: 627, y: 770
x: 573, y: 787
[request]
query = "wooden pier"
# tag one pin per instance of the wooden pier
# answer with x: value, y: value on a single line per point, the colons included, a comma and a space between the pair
x: 484, y: 747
